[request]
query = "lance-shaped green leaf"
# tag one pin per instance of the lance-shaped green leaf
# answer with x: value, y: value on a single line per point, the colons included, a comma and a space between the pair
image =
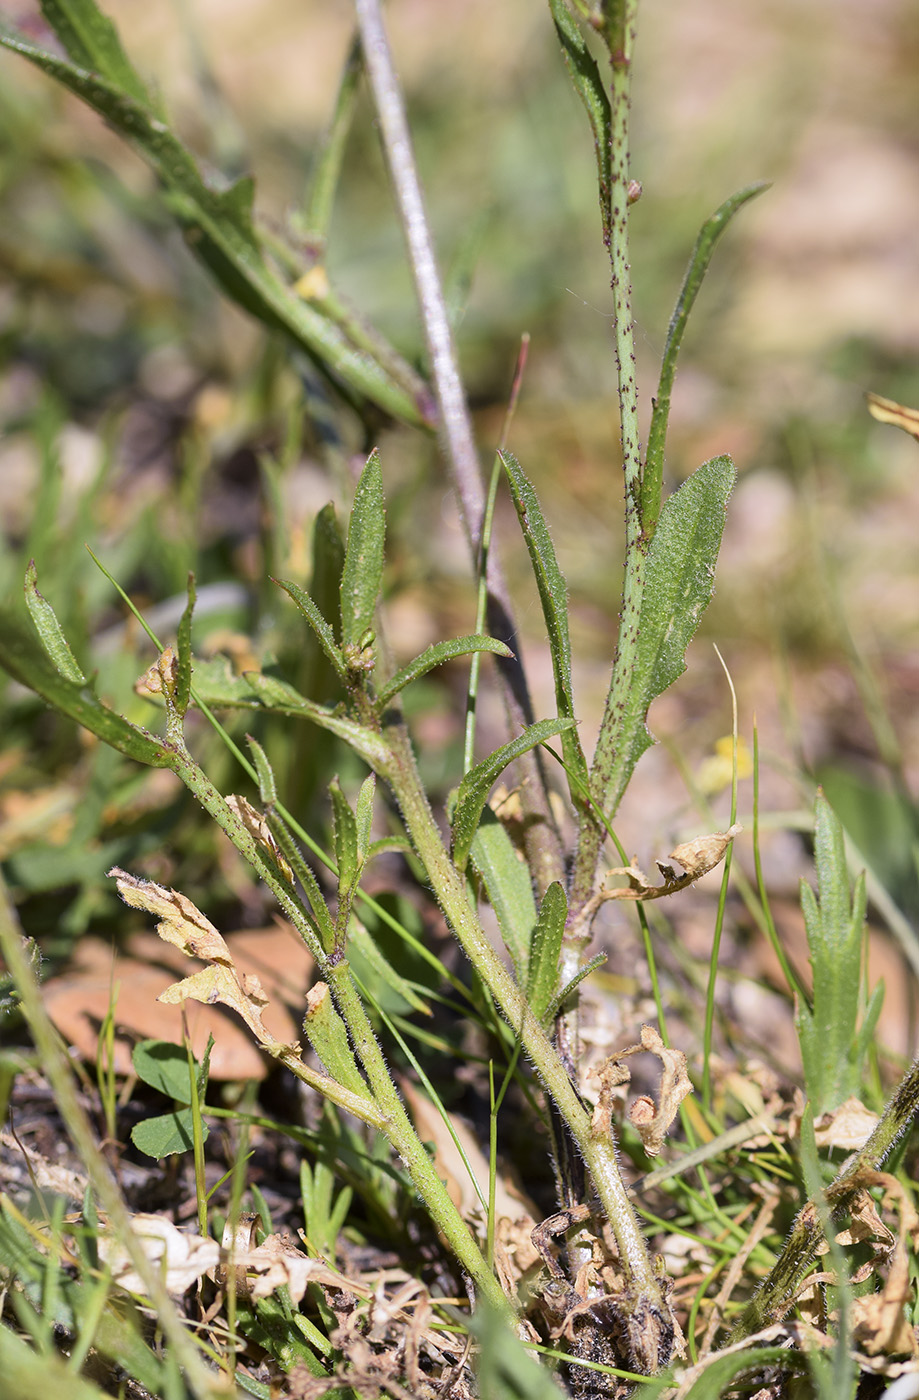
x: 50, y: 632
x: 475, y: 787
x: 679, y: 578
x: 183, y: 653
x: 832, y: 1046
x: 92, y: 41
x: 436, y: 655
x: 219, y: 230
x: 328, y: 1035
x: 509, y: 887
x: 364, y: 814
x: 553, y: 595
x: 324, y: 633
x: 267, y: 783
x: 23, y: 657
x: 542, y: 977
x: 588, y: 84
x: 362, y: 574
x: 711, y: 231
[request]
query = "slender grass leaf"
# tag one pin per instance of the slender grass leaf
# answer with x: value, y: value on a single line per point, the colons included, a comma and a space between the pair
x: 327, y: 170
x: 324, y: 633
x: 50, y: 632
x: 219, y: 230
x: 553, y: 595
x: 24, y: 658
x: 436, y: 655
x: 506, y: 1370
x: 542, y: 974
x: 267, y: 784
x: 589, y: 86
x: 709, y: 234
x: 679, y: 577
x: 362, y: 574
x: 92, y: 41
x: 834, y: 923
x: 509, y: 887
x: 475, y: 787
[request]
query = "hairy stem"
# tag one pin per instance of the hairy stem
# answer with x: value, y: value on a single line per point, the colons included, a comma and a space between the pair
x: 607, y: 781
x: 543, y: 843
x: 386, y: 1110
x: 597, y: 1149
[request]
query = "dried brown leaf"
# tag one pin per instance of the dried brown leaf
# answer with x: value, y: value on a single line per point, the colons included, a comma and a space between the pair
x: 697, y: 858
x: 257, y: 826
x: 889, y: 411
x: 651, y: 1122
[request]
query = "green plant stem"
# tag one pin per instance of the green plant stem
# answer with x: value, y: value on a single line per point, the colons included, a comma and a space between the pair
x: 202, y: 1383
x: 384, y: 1110
x: 598, y: 1150
x: 777, y: 1292
x: 608, y: 773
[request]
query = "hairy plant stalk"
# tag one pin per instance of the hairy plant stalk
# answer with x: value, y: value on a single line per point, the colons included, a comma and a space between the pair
x: 544, y: 848
x: 385, y: 1109
x: 607, y: 777
x: 598, y: 1149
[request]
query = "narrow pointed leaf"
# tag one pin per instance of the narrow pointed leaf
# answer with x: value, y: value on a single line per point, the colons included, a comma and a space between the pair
x: 679, y: 578
x: 542, y: 977
x: 183, y: 652
x: 267, y: 784
x: 92, y: 41
x: 711, y: 231
x: 561, y: 996
x: 478, y: 782
x: 509, y: 887
x: 834, y: 922
x: 324, y: 633
x: 553, y: 595
x: 589, y: 86
x: 344, y: 836
x: 364, y: 814
x: 49, y: 630
x: 219, y: 230
x: 436, y: 655
x: 23, y: 657
x: 362, y: 575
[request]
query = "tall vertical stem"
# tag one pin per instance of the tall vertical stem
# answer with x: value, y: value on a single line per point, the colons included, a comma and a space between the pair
x: 619, y: 33
x: 543, y: 843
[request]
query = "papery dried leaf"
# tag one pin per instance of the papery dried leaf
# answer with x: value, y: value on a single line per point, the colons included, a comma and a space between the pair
x: 221, y: 983
x: 849, y: 1126
x: 161, y: 677
x: 257, y: 826
x: 181, y: 922
x: 181, y: 1257
x: 653, y: 1124
x: 697, y: 858
x: 889, y: 411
